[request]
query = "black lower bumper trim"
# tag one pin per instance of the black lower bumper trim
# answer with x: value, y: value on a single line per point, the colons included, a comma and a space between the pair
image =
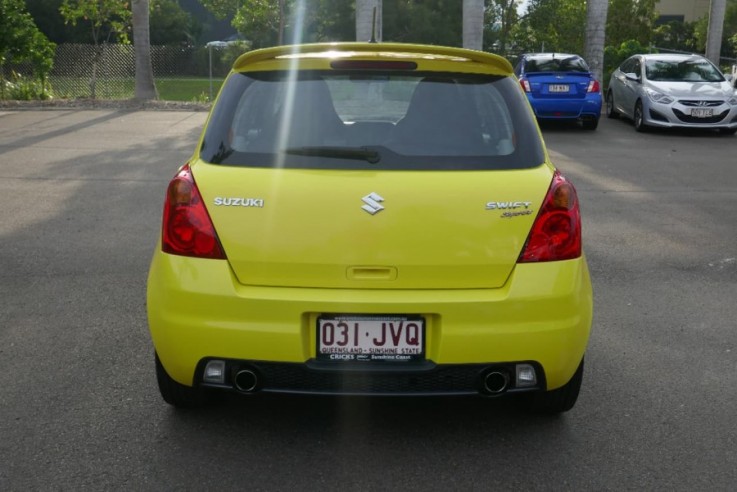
x: 425, y: 379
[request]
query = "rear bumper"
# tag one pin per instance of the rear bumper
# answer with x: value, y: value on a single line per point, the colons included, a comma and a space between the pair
x: 552, y: 108
x: 197, y: 310
x: 427, y: 379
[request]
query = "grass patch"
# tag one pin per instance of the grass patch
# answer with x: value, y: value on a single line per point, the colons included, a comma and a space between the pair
x: 188, y: 89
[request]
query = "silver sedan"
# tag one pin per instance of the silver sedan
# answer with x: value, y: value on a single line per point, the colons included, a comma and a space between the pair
x: 669, y: 90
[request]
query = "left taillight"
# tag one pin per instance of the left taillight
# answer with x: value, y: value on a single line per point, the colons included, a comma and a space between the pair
x: 187, y: 228
x: 556, y: 232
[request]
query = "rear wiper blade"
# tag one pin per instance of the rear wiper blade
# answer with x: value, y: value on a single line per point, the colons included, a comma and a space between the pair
x: 362, y: 153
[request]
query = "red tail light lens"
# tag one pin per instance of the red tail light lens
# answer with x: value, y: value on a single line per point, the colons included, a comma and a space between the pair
x: 556, y: 233
x: 525, y: 85
x: 594, y: 86
x: 187, y: 229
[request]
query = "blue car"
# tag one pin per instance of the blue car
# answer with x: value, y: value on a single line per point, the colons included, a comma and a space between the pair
x: 560, y: 86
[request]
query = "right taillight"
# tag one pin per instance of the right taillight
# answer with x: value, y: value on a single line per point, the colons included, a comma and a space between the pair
x: 556, y: 233
x: 187, y: 229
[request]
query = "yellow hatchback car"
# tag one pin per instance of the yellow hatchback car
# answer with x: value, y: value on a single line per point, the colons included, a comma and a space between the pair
x: 371, y: 219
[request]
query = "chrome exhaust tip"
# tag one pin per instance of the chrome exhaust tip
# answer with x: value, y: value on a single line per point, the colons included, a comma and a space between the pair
x: 246, y: 381
x: 495, y: 382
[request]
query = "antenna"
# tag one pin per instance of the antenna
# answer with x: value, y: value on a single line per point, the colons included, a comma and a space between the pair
x: 373, y: 28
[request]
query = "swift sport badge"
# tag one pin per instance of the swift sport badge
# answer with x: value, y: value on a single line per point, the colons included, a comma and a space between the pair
x: 510, y: 209
x: 372, y: 204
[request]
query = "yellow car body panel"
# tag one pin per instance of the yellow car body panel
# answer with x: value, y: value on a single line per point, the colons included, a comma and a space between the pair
x: 198, y: 309
x: 299, y: 238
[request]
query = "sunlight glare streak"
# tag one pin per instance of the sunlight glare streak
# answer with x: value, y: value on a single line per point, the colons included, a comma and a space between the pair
x: 286, y: 113
x: 288, y: 108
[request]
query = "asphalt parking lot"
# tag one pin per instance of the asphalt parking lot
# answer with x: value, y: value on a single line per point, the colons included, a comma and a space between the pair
x: 80, y: 199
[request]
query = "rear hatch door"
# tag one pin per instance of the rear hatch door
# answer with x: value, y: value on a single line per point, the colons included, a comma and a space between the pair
x: 372, y: 229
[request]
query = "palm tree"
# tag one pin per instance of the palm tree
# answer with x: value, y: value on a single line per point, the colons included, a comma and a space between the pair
x: 473, y: 24
x: 365, y: 29
x: 596, y: 11
x: 145, y: 87
x: 716, y: 27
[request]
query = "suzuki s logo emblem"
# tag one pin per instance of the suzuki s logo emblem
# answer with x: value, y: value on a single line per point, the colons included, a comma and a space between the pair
x: 372, y: 204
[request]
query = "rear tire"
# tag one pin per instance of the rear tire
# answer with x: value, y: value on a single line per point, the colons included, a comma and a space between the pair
x: 590, y: 123
x: 176, y: 394
x: 639, y: 118
x: 558, y: 400
x: 611, y: 111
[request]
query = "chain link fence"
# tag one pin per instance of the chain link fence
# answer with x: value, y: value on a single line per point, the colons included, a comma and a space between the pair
x: 107, y: 71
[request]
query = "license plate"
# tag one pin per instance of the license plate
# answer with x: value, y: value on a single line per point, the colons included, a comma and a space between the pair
x: 702, y: 112
x: 558, y: 88
x: 370, y: 338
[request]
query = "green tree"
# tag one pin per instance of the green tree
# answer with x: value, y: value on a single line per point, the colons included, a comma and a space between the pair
x: 551, y: 25
x: 429, y: 21
x: 170, y: 24
x: 631, y: 20
x: 500, y: 20
x: 20, y: 40
x: 260, y: 21
x: 270, y: 22
x: 556, y: 25
x: 675, y: 35
x: 108, y: 20
x: 335, y: 20
x: 50, y: 21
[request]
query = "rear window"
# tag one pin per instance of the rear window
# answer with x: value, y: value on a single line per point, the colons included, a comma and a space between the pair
x: 552, y: 63
x: 359, y: 120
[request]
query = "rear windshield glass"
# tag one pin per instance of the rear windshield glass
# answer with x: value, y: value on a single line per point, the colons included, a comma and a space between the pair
x: 550, y: 63
x: 556, y: 63
x: 687, y: 70
x: 354, y: 120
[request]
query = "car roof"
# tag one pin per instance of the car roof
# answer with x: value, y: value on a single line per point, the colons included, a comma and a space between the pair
x: 320, y: 56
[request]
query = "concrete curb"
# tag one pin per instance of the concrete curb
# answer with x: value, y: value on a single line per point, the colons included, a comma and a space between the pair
x: 123, y: 104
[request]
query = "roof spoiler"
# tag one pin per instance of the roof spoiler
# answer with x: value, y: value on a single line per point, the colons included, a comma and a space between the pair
x: 357, y: 48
